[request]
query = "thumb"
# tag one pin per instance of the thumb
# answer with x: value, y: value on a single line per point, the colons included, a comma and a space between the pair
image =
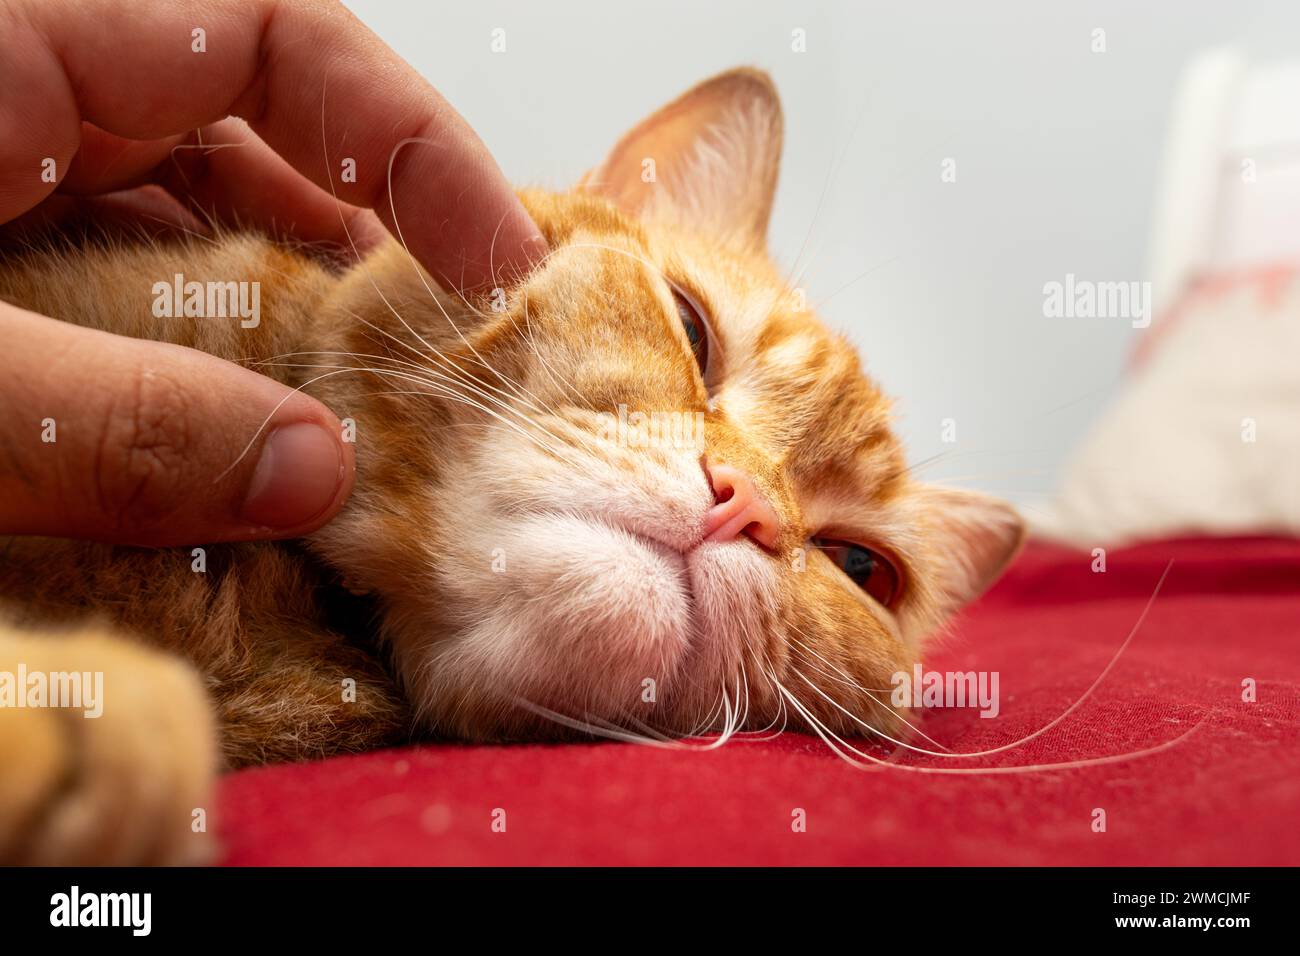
x: 137, y: 442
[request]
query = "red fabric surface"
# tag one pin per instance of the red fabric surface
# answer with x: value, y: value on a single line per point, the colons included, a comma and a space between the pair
x: 1228, y: 794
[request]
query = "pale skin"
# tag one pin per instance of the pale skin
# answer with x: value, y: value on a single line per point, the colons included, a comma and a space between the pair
x: 114, y: 94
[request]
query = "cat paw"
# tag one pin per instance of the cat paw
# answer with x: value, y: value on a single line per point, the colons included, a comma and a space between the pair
x: 130, y: 786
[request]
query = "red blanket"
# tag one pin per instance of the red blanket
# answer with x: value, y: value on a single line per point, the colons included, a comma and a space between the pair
x: 1227, y: 793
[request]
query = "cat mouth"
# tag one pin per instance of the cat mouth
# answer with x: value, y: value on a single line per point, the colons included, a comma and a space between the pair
x: 648, y: 571
x: 672, y: 554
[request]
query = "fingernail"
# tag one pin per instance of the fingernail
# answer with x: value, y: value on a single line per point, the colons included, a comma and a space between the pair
x: 297, y: 477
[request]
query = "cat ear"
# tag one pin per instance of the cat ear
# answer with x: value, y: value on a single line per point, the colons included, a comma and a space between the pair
x: 707, y: 161
x: 973, y: 538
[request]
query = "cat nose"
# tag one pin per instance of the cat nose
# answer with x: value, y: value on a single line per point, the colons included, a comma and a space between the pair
x: 740, y: 508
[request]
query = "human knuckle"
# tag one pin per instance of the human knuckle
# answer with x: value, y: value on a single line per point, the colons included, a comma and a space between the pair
x: 145, y: 449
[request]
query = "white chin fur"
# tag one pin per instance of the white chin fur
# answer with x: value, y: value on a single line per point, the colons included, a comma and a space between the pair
x: 576, y: 618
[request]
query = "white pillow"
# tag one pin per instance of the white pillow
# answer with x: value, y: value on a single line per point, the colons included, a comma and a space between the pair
x: 1205, y: 436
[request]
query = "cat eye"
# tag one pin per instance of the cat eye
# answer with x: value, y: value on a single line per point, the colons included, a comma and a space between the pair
x: 868, y: 569
x: 697, y: 332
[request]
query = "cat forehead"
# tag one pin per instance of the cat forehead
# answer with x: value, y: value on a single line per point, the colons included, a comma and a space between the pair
x: 789, y: 382
x: 793, y: 384
x: 799, y: 390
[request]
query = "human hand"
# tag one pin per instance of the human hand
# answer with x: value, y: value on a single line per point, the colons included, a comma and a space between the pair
x: 114, y: 94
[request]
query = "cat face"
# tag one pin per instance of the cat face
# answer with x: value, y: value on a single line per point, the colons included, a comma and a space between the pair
x: 647, y: 490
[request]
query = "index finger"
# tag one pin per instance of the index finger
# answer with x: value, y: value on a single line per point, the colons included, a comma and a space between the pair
x: 308, y: 77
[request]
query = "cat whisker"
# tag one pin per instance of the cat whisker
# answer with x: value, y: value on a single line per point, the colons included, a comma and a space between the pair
x: 870, y: 694
x: 947, y: 456
x: 884, y: 184
x: 599, y: 727
x: 440, y: 391
x: 507, y: 406
x: 823, y: 731
x: 767, y: 671
x: 840, y: 677
x: 528, y: 337
x: 360, y: 356
x: 702, y: 726
x: 518, y: 389
x: 587, y: 727
x: 472, y: 383
x: 840, y: 746
x: 872, y: 729
x: 743, y: 682
x: 821, y: 303
x: 412, y: 368
x: 1091, y: 687
x: 831, y: 173
x: 461, y: 378
x: 729, y: 715
x: 361, y: 262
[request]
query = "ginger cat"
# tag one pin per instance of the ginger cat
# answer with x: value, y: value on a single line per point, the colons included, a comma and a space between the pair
x: 535, y: 561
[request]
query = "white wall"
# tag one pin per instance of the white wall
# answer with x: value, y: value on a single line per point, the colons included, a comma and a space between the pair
x: 1057, y: 151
